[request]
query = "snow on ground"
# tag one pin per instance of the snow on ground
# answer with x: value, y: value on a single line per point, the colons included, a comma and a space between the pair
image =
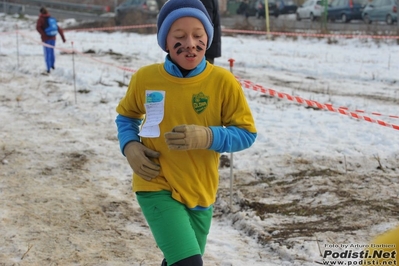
x: 313, y: 178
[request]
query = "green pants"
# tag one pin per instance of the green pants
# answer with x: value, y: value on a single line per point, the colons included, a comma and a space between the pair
x: 178, y: 231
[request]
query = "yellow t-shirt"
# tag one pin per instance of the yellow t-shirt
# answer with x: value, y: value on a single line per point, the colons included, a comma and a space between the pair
x: 212, y: 98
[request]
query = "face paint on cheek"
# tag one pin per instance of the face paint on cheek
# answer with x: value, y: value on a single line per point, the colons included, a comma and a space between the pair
x: 199, y: 48
x: 176, y: 45
x: 179, y: 50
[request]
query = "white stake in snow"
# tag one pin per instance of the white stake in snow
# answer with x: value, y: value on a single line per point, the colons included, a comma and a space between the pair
x: 74, y: 76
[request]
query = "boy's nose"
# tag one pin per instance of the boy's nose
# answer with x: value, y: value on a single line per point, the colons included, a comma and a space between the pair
x: 190, y: 42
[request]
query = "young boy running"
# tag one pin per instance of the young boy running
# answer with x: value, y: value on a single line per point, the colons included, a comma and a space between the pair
x: 173, y: 123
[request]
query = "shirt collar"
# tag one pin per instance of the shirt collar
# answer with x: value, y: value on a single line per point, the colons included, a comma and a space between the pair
x: 174, y: 70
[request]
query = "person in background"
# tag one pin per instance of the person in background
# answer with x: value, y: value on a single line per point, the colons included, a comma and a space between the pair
x: 41, y: 25
x: 173, y: 122
x: 212, y: 6
x: 244, y: 8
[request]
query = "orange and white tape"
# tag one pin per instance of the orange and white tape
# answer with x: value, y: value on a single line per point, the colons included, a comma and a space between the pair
x: 297, y: 34
x: 250, y: 85
x: 318, y: 35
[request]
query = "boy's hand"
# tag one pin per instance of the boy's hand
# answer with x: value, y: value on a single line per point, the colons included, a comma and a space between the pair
x: 138, y: 157
x: 189, y: 137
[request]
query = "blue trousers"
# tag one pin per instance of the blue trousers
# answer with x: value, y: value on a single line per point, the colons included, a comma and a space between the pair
x: 49, y: 56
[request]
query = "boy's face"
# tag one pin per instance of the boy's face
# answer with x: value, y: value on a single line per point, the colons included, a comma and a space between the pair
x: 186, y: 42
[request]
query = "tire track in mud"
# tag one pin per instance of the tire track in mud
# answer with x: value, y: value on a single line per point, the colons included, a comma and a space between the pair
x: 57, y: 207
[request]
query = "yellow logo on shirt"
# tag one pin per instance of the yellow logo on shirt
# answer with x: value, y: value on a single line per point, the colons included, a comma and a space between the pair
x: 200, y: 102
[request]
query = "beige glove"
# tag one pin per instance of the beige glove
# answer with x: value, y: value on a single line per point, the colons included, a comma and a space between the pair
x: 189, y: 137
x: 138, y: 157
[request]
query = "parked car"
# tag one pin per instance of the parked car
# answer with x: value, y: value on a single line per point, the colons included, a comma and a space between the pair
x: 276, y: 8
x: 286, y: 7
x: 260, y: 8
x: 345, y: 10
x: 381, y: 10
x: 136, y: 10
x: 311, y: 9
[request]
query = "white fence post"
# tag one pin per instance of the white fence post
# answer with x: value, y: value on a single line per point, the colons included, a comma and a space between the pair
x: 16, y: 34
x: 74, y: 76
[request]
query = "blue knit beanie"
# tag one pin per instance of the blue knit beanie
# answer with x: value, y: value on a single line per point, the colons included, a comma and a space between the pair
x: 172, y: 10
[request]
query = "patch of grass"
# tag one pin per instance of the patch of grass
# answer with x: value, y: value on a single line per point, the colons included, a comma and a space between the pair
x: 315, y: 172
x: 308, y: 229
x: 329, y: 217
x: 75, y: 161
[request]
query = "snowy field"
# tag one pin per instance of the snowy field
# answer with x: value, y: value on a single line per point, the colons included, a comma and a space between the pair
x: 313, y: 180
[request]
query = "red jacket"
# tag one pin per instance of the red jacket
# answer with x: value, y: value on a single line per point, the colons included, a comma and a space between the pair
x: 41, y: 25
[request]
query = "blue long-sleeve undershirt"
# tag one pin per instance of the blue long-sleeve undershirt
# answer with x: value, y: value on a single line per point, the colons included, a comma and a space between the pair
x: 128, y: 130
x: 231, y: 139
x: 225, y: 139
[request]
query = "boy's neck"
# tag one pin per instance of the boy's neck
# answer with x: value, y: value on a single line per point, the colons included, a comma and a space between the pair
x: 183, y: 71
